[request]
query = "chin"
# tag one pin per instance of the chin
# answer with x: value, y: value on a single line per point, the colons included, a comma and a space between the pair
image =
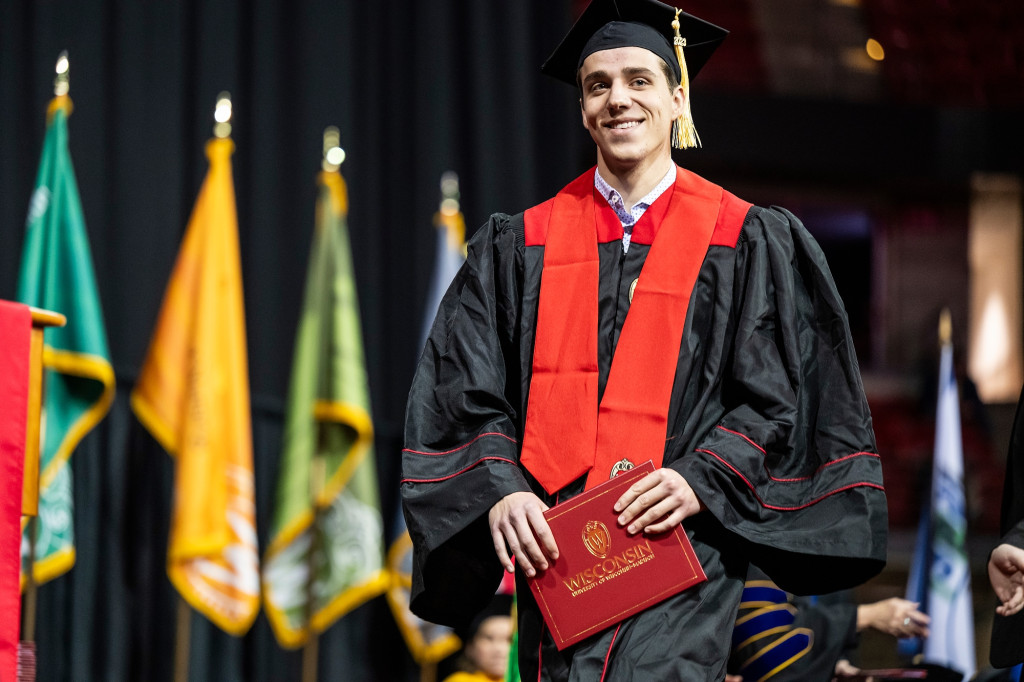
x: 625, y: 150
x: 622, y: 159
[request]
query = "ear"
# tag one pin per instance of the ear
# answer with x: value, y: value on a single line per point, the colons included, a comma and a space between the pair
x: 583, y: 115
x: 678, y: 101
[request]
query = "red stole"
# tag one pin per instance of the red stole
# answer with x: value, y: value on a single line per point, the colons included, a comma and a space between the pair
x: 15, y: 331
x: 567, y: 434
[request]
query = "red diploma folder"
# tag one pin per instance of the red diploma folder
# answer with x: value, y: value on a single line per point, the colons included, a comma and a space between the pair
x: 603, y: 575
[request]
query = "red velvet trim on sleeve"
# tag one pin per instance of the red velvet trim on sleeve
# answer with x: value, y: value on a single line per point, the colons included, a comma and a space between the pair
x: 460, y: 471
x: 461, y: 447
x: 757, y: 497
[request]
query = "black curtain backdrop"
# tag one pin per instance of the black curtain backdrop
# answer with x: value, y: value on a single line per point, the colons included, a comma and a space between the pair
x: 417, y: 88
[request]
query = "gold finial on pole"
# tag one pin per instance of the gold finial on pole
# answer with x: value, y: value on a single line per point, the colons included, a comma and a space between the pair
x: 449, y: 215
x: 61, y: 84
x: 334, y: 155
x: 222, y: 115
x: 449, y: 193
x: 945, y: 327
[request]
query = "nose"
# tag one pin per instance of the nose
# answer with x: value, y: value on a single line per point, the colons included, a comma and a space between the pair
x: 618, y: 97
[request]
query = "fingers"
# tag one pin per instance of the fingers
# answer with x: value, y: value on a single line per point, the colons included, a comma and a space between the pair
x: 1006, y: 574
x: 1008, y: 558
x: 905, y: 620
x: 498, y: 539
x: 1007, y: 581
x: 1013, y: 603
x: 533, y: 538
x: 657, y: 503
x: 893, y: 616
x: 636, y: 490
x: 845, y: 669
x: 911, y: 611
x: 517, y: 522
x: 916, y: 627
x: 662, y: 516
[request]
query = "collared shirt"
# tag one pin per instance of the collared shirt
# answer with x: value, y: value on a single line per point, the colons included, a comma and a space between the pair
x: 629, y: 218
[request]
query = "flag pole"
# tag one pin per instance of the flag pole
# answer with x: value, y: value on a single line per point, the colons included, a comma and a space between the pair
x: 183, y: 631
x: 26, y: 647
x: 311, y: 650
x: 30, y: 495
x: 333, y: 156
x: 182, y: 641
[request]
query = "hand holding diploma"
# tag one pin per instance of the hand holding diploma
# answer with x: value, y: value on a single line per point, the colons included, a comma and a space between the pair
x: 517, y: 523
x: 656, y: 503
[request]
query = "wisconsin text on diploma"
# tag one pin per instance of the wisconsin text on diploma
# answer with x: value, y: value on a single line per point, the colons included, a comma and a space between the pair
x: 610, y: 568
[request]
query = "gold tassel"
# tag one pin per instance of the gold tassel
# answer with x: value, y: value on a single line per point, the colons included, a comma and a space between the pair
x: 684, y: 133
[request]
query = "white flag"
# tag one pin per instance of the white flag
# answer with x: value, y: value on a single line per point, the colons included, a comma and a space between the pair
x: 951, y: 640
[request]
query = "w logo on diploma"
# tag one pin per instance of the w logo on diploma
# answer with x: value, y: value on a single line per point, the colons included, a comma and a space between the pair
x: 596, y: 539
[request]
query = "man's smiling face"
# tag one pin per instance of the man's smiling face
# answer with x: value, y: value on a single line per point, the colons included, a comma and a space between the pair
x: 628, y: 106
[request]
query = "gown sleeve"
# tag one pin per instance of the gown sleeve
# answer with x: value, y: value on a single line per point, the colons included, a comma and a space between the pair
x: 1007, y: 646
x: 461, y: 440
x: 1012, y: 514
x: 791, y: 466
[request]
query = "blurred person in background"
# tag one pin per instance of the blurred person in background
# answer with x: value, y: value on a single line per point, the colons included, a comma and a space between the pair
x: 486, y: 644
x: 810, y: 639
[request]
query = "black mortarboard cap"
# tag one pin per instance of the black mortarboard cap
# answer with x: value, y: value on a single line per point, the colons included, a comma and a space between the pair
x: 607, y: 24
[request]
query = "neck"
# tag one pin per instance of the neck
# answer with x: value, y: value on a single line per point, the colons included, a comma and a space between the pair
x: 635, y: 181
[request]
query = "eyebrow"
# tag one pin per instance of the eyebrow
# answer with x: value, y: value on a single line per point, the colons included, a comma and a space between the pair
x: 628, y: 71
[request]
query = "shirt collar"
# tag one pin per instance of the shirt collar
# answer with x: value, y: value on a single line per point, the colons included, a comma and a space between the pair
x: 614, y: 199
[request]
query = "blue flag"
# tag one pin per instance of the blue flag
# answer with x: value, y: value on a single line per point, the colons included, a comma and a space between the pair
x: 428, y: 643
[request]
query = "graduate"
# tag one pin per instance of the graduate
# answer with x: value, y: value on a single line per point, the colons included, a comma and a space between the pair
x: 643, y: 313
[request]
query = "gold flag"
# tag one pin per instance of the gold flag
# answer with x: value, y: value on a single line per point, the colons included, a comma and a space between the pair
x: 193, y: 396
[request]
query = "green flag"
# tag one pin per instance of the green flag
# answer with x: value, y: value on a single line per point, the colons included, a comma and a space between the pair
x: 57, y: 274
x: 325, y: 555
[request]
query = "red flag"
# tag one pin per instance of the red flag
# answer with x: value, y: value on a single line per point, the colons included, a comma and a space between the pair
x: 15, y: 331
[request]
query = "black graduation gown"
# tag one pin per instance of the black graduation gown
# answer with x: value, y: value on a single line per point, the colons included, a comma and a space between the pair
x: 767, y: 422
x: 1007, y: 648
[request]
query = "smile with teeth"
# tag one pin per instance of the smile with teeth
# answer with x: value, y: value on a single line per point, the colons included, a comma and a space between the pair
x: 621, y: 125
